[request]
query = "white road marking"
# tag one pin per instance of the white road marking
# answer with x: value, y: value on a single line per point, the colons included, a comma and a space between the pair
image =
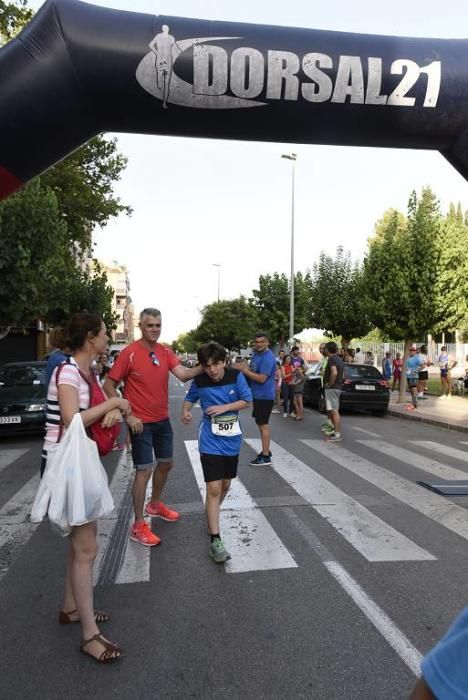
x: 418, y: 461
x: 15, y: 534
x: 462, y: 455
x: 366, y: 532
x: 444, y: 512
x: 367, y: 432
x: 7, y: 457
x: 378, y: 617
x: 247, y: 534
x: 136, y: 560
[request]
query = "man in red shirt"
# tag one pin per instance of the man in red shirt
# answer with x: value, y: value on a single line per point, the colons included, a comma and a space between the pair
x: 144, y: 368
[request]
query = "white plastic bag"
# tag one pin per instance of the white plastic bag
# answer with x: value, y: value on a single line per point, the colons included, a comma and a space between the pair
x: 74, y: 489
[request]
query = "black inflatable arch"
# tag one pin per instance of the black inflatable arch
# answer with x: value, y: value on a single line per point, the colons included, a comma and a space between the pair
x: 78, y: 70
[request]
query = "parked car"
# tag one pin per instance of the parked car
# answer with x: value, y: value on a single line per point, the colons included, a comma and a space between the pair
x: 364, y: 387
x: 23, y: 395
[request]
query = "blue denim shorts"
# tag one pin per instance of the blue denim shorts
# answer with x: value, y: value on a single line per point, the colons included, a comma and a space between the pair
x: 153, y: 445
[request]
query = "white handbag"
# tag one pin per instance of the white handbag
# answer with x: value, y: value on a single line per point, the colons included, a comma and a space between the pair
x: 74, y: 489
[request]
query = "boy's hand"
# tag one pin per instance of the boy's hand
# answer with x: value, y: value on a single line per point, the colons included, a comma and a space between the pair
x: 215, y: 410
x: 135, y: 424
x: 186, y: 417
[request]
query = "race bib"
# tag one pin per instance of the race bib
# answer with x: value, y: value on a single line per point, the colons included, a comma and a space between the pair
x: 226, y: 426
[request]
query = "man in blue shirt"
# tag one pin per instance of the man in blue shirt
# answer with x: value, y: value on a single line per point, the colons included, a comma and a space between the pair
x: 262, y: 382
x: 413, y: 365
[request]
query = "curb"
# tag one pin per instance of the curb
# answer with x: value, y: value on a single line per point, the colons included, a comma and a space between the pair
x: 430, y: 421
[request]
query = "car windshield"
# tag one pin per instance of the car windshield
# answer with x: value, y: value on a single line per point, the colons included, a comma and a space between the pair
x: 361, y: 372
x: 28, y: 375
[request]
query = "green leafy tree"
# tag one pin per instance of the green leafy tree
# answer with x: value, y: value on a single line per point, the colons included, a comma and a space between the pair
x: 338, y: 302
x: 232, y: 323
x: 83, y: 184
x: 272, y: 299
x: 13, y: 17
x: 35, y: 256
x: 409, y: 275
x: 186, y: 342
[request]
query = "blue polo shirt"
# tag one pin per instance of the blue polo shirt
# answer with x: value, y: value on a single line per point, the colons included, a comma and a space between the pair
x: 445, y: 667
x: 263, y: 363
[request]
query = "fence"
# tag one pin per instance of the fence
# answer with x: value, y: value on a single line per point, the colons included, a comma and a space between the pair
x: 457, y: 351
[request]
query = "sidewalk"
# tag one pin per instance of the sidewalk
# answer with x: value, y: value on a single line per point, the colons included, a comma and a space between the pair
x: 449, y: 413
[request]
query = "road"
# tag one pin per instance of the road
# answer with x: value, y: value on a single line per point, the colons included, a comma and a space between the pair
x: 344, y: 572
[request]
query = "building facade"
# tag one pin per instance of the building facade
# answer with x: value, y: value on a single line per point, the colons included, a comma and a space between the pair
x: 117, y: 278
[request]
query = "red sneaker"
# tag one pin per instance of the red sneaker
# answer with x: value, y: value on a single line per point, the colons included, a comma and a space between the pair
x: 159, y: 510
x: 140, y: 532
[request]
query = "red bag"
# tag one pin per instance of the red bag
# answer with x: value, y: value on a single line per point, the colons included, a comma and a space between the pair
x: 103, y: 437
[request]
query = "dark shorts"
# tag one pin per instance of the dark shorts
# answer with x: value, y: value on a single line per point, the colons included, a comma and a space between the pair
x: 424, y: 374
x: 413, y: 382
x: 153, y: 445
x: 262, y: 410
x: 444, y: 372
x: 217, y: 467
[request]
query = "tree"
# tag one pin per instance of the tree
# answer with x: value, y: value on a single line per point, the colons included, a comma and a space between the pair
x: 409, y: 275
x: 13, y: 17
x: 34, y: 253
x: 186, y: 342
x: 272, y: 300
x: 83, y: 184
x: 338, y: 301
x: 232, y: 323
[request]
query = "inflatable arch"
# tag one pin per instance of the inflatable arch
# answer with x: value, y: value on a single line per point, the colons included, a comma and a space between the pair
x: 78, y: 70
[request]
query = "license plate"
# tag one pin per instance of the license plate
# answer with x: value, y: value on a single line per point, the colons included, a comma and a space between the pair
x: 365, y: 387
x: 10, y: 419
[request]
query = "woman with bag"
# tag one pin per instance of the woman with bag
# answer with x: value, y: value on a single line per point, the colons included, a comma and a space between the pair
x: 69, y: 394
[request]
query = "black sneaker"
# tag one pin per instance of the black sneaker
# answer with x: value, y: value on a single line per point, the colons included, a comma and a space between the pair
x: 261, y: 460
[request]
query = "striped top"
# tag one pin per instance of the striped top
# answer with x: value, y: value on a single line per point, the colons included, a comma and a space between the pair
x: 69, y: 374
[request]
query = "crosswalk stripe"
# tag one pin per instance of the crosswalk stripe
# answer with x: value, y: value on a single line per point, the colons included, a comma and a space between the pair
x: 136, y: 559
x: 367, y: 432
x: 444, y: 512
x: 247, y: 534
x: 418, y: 461
x: 371, y: 536
x: 7, y: 457
x: 13, y: 533
x: 462, y: 455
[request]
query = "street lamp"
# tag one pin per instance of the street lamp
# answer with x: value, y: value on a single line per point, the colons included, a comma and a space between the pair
x: 218, y: 265
x: 292, y: 157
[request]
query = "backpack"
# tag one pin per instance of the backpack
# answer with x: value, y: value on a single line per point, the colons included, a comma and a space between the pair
x: 103, y: 437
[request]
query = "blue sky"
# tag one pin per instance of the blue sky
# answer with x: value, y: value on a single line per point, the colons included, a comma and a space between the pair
x: 198, y: 202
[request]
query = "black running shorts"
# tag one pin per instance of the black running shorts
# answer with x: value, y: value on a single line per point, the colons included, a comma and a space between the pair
x: 262, y: 410
x: 217, y: 467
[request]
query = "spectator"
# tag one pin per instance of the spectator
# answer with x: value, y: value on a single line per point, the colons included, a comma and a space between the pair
x: 286, y: 387
x: 333, y: 381
x: 60, y: 351
x: 277, y: 407
x: 412, y: 367
x: 446, y: 364
x: 296, y: 359
x: 297, y: 385
x: 423, y: 373
x: 387, y: 366
x: 397, y: 366
x: 358, y: 357
x: 369, y: 358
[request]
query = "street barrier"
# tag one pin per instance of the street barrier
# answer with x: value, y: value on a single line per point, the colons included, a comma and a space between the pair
x: 78, y: 70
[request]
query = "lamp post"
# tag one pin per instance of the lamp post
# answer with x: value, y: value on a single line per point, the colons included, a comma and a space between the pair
x: 292, y: 157
x: 218, y: 265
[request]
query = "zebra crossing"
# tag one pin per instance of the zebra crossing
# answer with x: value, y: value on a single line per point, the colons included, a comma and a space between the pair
x: 246, y: 527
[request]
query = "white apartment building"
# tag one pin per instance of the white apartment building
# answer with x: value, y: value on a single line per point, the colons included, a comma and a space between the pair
x: 117, y: 277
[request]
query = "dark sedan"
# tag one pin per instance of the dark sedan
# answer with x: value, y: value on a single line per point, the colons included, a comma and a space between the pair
x: 22, y: 397
x: 363, y: 388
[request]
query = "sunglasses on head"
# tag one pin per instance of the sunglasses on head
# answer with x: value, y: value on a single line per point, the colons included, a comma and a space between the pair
x: 154, y: 359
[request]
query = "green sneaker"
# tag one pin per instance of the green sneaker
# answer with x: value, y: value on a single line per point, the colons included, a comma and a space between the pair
x: 218, y: 552
x: 327, y: 428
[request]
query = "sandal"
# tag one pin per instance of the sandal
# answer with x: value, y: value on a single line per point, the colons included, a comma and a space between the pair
x: 111, y: 652
x: 65, y: 618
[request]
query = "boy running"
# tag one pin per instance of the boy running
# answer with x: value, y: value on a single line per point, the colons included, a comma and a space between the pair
x: 222, y: 394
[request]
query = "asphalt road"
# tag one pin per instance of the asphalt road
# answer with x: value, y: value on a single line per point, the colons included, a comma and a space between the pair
x: 344, y: 572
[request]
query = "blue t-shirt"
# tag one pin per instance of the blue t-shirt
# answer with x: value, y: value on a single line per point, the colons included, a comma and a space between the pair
x: 263, y: 363
x: 413, y: 365
x: 55, y: 359
x: 232, y: 387
x: 445, y: 667
x: 387, y: 368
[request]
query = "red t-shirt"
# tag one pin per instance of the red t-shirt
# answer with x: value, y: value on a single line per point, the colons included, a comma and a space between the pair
x: 145, y: 384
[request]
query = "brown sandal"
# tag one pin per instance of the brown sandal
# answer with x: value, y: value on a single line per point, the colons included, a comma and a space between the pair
x: 111, y: 652
x: 65, y: 618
